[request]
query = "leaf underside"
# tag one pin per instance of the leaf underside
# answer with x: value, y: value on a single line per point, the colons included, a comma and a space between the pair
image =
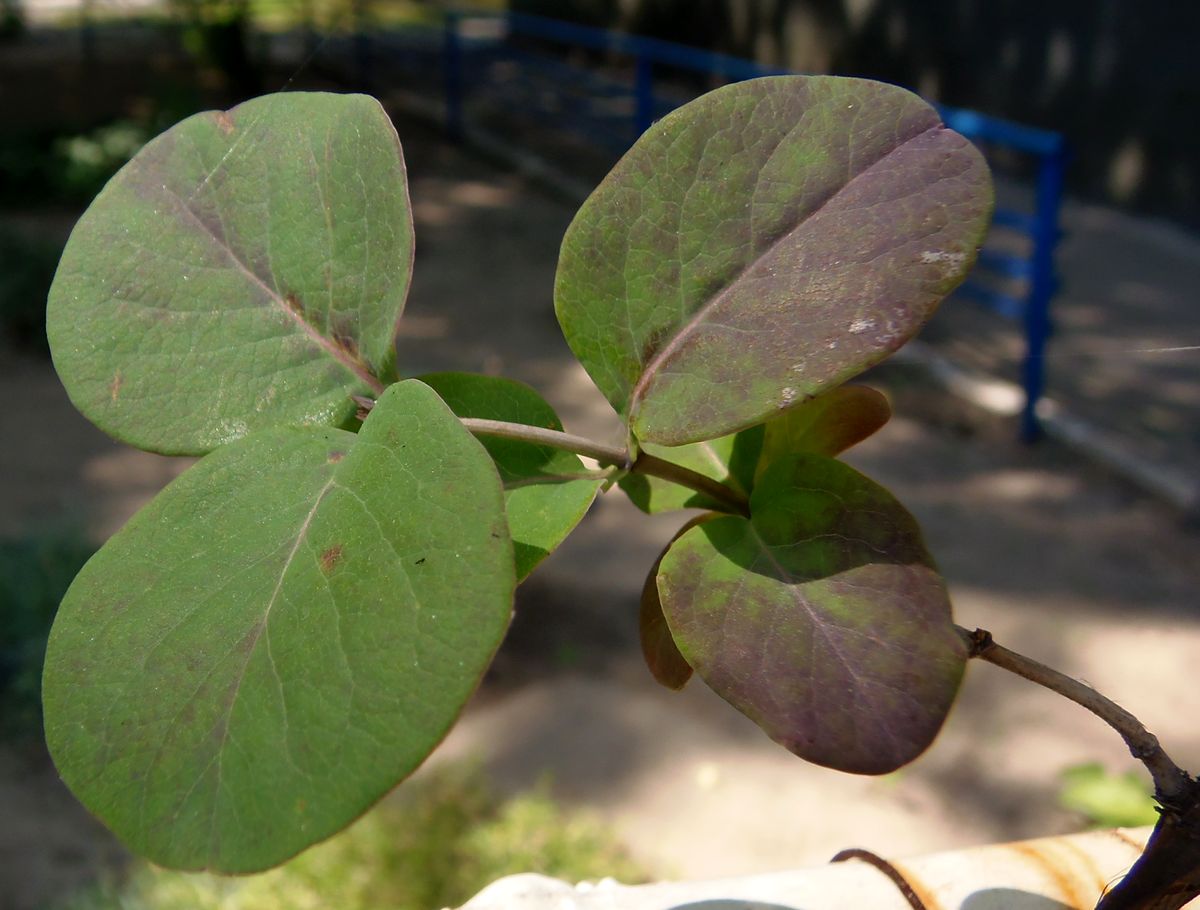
x: 281, y: 636
x: 822, y: 618
x: 764, y: 243
x: 246, y: 269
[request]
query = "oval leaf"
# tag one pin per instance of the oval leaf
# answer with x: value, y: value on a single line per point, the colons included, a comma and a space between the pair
x: 544, y: 492
x: 762, y: 244
x: 826, y: 425
x: 284, y: 633
x: 822, y: 618
x: 729, y: 459
x: 246, y: 269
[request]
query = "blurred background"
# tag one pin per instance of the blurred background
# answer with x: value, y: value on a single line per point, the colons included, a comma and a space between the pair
x: 1046, y: 432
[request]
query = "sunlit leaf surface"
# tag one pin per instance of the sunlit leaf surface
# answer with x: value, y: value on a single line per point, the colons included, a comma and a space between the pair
x: 246, y: 269
x: 822, y: 618
x: 765, y: 243
x: 282, y: 635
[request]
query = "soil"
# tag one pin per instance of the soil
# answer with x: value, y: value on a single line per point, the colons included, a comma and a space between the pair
x: 1058, y: 559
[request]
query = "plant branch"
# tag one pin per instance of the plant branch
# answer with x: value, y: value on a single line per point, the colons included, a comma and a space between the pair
x: 613, y: 455
x: 1170, y: 781
x: 733, y: 500
x: 555, y: 439
x: 714, y: 489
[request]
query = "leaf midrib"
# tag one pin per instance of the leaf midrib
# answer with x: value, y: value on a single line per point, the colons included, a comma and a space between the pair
x: 257, y: 631
x: 700, y: 316
x: 338, y: 353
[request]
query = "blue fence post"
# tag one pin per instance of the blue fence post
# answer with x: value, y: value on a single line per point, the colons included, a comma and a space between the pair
x: 643, y: 94
x: 1041, y: 286
x: 453, y: 75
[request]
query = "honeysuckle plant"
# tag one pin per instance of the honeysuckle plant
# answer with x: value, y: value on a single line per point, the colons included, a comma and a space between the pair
x: 289, y: 628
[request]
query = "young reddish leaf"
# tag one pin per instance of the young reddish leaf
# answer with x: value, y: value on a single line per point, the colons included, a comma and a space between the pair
x: 545, y: 495
x: 281, y: 636
x: 822, y: 618
x: 245, y: 270
x: 659, y: 650
x: 762, y: 244
x: 662, y: 656
x: 730, y: 459
x: 826, y: 425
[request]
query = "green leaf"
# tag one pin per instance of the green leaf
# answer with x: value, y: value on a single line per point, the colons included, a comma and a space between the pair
x: 826, y: 425
x: 245, y: 270
x: 282, y: 635
x: 822, y: 618
x: 1108, y: 800
x: 762, y: 244
x: 544, y: 494
x: 730, y: 459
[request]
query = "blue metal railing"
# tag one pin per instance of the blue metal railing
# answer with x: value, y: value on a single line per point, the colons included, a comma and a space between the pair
x: 637, y: 85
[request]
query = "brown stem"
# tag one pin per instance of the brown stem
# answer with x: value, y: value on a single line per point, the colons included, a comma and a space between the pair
x: 612, y: 455
x: 714, y: 489
x: 1170, y: 781
x: 731, y: 499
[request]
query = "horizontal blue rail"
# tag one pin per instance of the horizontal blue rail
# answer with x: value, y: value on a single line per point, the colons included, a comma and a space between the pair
x: 617, y: 126
x: 664, y: 52
x: 982, y: 128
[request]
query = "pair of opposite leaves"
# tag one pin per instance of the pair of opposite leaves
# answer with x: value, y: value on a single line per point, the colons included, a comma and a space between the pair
x: 293, y: 625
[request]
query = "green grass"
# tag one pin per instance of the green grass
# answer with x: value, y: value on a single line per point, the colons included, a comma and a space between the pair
x: 435, y: 843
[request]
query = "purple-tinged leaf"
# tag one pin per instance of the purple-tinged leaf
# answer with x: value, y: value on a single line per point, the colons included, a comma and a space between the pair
x: 659, y: 650
x: 245, y: 270
x: 822, y: 618
x: 826, y: 425
x: 762, y: 244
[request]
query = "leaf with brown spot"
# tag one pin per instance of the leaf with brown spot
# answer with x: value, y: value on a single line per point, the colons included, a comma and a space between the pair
x: 330, y: 557
x: 267, y: 247
x: 278, y: 648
